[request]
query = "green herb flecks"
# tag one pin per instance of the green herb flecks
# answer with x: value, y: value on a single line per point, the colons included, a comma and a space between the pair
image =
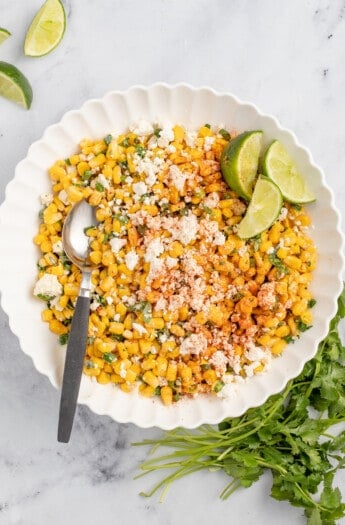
x: 45, y: 297
x: 108, y: 139
x: 225, y: 134
x: 109, y: 357
x: 123, y: 219
x: 99, y: 186
x: 145, y: 308
x: 140, y: 151
x: 63, y: 338
x: 278, y: 263
x: 291, y: 435
x: 86, y: 176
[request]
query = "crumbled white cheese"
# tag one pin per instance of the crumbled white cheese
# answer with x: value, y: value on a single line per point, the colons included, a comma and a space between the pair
x: 219, y: 238
x: 139, y: 328
x: 191, y: 138
x: 116, y: 244
x: 55, y: 303
x: 212, y: 200
x: 109, y: 300
x: 131, y: 260
x: 48, y: 285
x: 154, y: 249
x: 171, y: 262
x: 270, y: 250
x: 208, y: 141
x: 58, y: 247
x: 178, y: 178
x: 166, y: 135
x: 101, y: 179
x: 46, y: 198
x: 63, y: 197
x: 194, y: 344
x: 139, y: 188
x: 187, y: 229
x: 94, y: 305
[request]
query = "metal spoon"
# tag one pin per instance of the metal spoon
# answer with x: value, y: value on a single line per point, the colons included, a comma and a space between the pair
x: 76, y: 246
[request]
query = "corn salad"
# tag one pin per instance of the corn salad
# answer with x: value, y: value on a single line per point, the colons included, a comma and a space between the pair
x: 180, y: 304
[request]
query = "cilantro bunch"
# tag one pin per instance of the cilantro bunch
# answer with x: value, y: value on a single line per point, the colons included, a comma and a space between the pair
x: 290, y: 435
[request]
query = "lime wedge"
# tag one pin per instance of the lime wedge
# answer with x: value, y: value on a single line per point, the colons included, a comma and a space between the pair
x: 279, y: 167
x: 4, y: 34
x: 239, y: 162
x: 263, y: 209
x: 46, y: 29
x: 14, y: 85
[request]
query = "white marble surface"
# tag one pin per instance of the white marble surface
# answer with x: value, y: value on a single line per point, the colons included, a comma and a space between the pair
x: 288, y: 58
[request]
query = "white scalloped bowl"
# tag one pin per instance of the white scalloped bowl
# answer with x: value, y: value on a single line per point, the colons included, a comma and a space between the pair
x: 19, y: 221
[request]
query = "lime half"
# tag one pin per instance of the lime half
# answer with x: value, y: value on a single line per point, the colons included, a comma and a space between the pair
x: 14, y: 85
x: 46, y: 29
x: 279, y: 167
x: 263, y: 209
x: 4, y: 34
x: 239, y: 162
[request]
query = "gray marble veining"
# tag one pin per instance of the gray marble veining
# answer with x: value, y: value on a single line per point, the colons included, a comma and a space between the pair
x: 288, y: 58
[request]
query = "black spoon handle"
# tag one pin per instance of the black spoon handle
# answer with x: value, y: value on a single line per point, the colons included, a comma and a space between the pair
x: 73, y: 368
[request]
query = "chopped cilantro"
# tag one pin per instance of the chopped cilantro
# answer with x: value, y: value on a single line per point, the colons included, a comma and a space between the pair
x: 289, y: 339
x: 125, y: 143
x: 144, y: 196
x: 157, y: 132
x: 297, y: 207
x: 117, y: 337
x: 311, y: 303
x: 225, y: 134
x: 99, y: 186
x: 302, y: 327
x: 67, y: 161
x: 207, y: 210
x: 157, y: 391
x: 123, y: 219
x: 86, y: 175
x: 64, y: 260
x: 90, y: 340
x: 145, y: 308
x: 207, y: 126
x: 45, y: 297
x: 109, y: 357
x: 40, y: 214
x: 205, y: 366
x: 140, y: 150
x: 278, y: 263
x: 217, y: 387
x: 63, y: 338
x: 108, y: 139
x: 92, y: 227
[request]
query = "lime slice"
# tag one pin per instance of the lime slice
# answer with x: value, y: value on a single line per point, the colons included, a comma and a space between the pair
x: 239, y: 162
x: 46, y: 29
x: 14, y: 85
x: 263, y: 209
x: 279, y: 167
x: 4, y: 34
